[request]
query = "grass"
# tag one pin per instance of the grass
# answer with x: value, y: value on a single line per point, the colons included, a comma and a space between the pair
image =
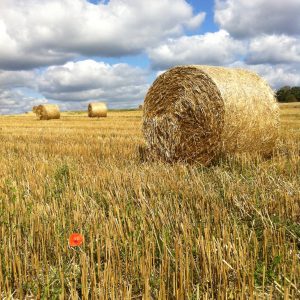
x: 152, y: 231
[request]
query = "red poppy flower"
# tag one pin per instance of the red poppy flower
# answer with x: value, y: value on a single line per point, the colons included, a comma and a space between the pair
x: 75, y: 239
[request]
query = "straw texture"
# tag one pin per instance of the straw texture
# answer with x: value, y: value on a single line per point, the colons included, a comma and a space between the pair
x: 47, y: 111
x: 97, y: 110
x: 196, y: 113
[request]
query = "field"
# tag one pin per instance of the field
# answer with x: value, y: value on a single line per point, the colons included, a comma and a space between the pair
x: 151, y: 230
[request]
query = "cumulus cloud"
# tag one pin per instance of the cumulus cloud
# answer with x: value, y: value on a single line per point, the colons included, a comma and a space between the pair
x: 195, y: 21
x: 274, y: 49
x: 244, y: 18
x: 262, y: 35
x: 280, y: 75
x: 54, y: 31
x: 73, y: 85
x: 13, y: 79
x: 14, y: 87
x: 90, y: 80
x: 15, y: 101
x: 216, y: 48
x: 276, y: 75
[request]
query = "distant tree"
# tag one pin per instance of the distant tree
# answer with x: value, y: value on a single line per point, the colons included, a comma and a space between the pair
x: 296, y: 92
x: 282, y: 93
x: 288, y: 94
x: 290, y: 98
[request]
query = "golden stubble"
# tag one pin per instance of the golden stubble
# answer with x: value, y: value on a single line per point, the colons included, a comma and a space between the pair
x: 152, y: 230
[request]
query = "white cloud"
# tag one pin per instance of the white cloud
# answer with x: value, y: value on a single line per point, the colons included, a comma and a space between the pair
x: 281, y: 75
x: 13, y: 79
x: 73, y: 85
x: 216, y: 48
x: 276, y: 75
x: 15, y: 101
x: 244, y: 18
x: 40, y: 33
x: 14, y: 86
x: 90, y: 80
x: 22, y: 51
x: 196, y: 21
x: 274, y: 49
x: 263, y: 35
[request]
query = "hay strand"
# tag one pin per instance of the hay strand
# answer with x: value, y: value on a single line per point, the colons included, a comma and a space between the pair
x: 97, y: 110
x: 196, y: 113
x: 47, y: 111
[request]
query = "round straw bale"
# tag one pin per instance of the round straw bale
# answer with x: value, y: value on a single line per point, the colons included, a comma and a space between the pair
x: 140, y: 107
x: 196, y: 113
x: 97, y: 110
x: 47, y: 111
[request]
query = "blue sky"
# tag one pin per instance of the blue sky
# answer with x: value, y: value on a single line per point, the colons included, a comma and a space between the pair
x: 72, y: 52
x: 208, y: 7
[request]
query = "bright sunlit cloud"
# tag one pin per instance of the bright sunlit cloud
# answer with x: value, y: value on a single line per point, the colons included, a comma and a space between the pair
x: 73, y: 51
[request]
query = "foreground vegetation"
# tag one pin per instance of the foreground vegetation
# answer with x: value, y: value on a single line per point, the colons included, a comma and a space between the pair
x: 152, y: 231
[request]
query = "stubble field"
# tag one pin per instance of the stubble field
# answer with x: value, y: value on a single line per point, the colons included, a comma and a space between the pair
x: 152, y: 230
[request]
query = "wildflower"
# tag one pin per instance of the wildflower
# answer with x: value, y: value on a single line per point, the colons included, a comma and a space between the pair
x: 75, y: 239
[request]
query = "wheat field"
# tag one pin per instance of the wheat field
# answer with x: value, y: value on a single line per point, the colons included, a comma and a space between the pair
x: 151, y: 230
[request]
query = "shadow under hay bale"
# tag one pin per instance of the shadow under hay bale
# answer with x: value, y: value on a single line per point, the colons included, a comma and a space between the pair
x: 144, y: 154
x: 47, y: 111
x: 197, y: 113
x: 97, y: 110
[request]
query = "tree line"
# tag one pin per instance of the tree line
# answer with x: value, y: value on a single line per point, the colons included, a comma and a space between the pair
x: 288, y: 94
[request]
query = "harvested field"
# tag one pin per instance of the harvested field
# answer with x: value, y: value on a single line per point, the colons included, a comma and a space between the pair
x: 151, y: 230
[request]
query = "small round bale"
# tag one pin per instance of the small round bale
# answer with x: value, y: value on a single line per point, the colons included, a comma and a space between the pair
x: 197, y: 113
x: 47, y: 111
x: 140, y: 107
x: 97, y: 110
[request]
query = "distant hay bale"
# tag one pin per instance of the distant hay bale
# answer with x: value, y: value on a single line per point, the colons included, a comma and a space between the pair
x: 197, y: 113
x: 97, y: 110
x: 47, y: 111
x: 140, y: 107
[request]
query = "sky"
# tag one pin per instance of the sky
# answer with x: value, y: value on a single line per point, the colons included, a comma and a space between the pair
x: 71, y: 52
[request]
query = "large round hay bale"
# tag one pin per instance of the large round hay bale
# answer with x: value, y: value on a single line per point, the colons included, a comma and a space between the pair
x: 47, y: 111
x: 97, y: 110
x: 196, y: 113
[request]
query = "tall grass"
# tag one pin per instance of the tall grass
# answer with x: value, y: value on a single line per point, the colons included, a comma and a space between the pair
x: 152, y: 231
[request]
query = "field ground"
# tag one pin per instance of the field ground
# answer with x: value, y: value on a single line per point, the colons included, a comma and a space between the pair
x: 152, y: 231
